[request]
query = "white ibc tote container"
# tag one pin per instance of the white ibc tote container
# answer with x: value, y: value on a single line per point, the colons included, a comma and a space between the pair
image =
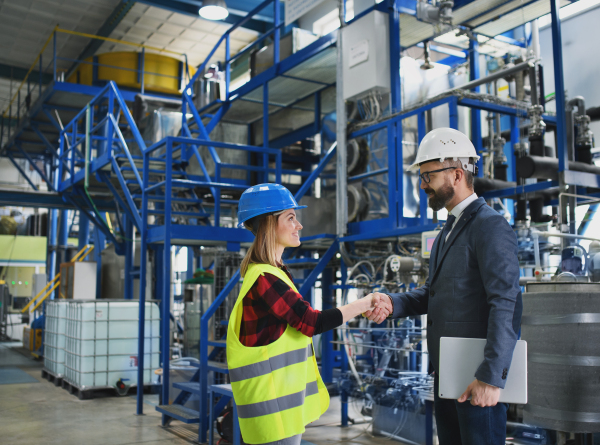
x: 54, y: 337
x: 102, y: 343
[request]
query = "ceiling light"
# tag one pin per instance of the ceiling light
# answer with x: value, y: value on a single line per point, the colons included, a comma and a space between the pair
x: 213, y: 10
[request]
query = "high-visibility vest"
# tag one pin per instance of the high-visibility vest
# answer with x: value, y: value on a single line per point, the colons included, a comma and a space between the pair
x: 277, y: 388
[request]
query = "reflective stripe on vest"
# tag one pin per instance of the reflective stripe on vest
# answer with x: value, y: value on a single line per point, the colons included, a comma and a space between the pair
x: 278, y: 404
x: 277, y: 388
x: 270, y: 365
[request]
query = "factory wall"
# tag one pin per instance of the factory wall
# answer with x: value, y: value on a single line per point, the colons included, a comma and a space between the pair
x: 581, y: 59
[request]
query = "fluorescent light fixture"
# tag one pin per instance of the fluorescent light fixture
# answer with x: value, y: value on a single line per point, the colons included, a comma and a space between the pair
x: 213, y: 10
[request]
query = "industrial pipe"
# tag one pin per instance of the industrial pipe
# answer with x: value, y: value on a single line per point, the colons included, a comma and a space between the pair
x: 495, y: 76
x: 547, y: 168
x: 482, y: 185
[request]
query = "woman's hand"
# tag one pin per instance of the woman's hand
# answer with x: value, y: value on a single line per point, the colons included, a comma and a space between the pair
x: 374, y: 305
x: 381, y: 307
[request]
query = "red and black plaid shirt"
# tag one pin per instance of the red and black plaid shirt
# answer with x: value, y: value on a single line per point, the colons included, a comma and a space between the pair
x: 269, y: 307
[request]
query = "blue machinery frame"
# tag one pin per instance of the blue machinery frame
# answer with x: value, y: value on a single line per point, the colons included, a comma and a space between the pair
x: 92, y: 147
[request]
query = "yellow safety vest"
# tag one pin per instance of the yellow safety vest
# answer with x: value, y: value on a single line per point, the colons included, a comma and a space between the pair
x: 277, y: 388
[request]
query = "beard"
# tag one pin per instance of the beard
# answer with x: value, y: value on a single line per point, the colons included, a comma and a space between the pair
x: 439, y: 198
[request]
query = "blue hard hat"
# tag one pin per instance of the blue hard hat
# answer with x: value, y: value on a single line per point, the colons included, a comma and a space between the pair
x: 262, y: 199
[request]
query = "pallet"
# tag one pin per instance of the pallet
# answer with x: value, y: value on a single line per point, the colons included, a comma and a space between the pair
x: 81, y: 394
x: 89, y: 393
x: 52, y: 378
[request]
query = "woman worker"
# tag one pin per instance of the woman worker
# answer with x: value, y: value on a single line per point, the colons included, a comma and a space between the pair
x: 274, y: 376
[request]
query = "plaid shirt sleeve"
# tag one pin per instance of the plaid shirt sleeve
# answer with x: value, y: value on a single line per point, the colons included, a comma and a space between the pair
x: 269, y: 307
x: 286, y: 304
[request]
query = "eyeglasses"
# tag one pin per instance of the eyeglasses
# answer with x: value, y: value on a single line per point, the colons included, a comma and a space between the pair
x: 425, y: 176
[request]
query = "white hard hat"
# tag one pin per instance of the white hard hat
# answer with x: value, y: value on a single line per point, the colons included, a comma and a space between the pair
x: 446, y: 143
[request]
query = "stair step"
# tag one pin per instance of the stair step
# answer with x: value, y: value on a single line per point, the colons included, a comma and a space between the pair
x: 154, y: 171
x: 218, y: 367
x: 191, y: 387
x: 138, y: 197
x: 190, y: 214
x: 180, y: 185
x: 178, y: 412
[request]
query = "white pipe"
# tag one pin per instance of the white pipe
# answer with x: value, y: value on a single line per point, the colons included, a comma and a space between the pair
x: 341, y: 124
x: 535, y: 40
x: 536, y: 249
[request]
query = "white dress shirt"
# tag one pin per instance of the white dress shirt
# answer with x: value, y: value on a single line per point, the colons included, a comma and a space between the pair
x: 458, y: 210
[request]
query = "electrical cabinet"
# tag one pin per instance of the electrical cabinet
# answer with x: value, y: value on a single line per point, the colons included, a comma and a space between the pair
x: 366, y: 56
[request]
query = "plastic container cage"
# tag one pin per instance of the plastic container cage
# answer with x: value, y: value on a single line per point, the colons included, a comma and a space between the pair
x: 101, y: 343
x: 54, y: 337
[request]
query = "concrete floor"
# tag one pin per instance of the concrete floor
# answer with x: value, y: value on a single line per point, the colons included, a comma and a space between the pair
x: 41, y: 413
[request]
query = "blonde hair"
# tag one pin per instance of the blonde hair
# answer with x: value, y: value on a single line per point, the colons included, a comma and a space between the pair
x: 264, y: 248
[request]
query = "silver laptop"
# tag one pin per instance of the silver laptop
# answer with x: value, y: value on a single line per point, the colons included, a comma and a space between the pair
x: 459, y: 360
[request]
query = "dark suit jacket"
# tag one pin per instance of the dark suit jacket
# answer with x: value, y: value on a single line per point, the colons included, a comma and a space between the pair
x: 472, y: 291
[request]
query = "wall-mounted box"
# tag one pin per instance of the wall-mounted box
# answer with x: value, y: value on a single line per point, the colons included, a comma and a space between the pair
x: 366, y: 56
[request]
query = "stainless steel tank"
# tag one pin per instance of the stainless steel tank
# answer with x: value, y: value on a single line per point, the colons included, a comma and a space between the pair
x: 561, y: 324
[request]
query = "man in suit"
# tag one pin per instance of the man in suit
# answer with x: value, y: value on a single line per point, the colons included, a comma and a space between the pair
x: 472, y: 290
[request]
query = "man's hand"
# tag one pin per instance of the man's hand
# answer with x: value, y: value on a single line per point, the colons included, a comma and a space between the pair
x: 384, y: 307
x: 481, y: 394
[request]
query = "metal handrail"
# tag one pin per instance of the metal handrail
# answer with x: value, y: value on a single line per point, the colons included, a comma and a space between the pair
x: 30, y: 70
x: 52, y: 36
x: 233, y: 27
x: 112, y: 91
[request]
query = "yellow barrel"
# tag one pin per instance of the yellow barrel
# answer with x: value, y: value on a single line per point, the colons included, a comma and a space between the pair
x: 163, y: 74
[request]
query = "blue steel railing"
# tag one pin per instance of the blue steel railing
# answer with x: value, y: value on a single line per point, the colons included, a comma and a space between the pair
x: 275, y: 32
x: 187, y: 148
x: 93, y: 139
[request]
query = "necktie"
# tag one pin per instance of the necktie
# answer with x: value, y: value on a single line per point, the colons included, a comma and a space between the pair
x: 447, y: 228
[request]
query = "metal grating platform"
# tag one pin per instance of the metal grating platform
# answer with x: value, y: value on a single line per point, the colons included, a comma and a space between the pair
x: 294, y: 89
x: 178, y: 412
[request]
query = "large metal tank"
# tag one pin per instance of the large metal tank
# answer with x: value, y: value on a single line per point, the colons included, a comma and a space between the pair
x: 561, y: 324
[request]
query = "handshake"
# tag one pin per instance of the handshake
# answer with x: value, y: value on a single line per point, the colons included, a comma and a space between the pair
x: 380, y: 307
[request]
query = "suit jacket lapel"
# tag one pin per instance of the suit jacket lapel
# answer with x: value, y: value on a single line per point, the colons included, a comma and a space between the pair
x: 459, y: 225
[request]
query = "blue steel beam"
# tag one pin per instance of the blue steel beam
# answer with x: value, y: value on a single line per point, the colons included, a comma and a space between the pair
x: 393, y: 232
x: 142, y: 295
x: 323, y: 262
x: 132, y: 207
x: 204, y: 320
x: 315, y: 173
x: 84, y: 231
x: 101, y: 224
x: 50, y: 200
x: 166, y: 288
x: 18, y: 167
x: 475, y: 113
x: 103, y: 177
x: 520, y: 189
x: 559, y: 88
x: 129, y: 242
x: 191, y: 9
x: 35, y: 167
